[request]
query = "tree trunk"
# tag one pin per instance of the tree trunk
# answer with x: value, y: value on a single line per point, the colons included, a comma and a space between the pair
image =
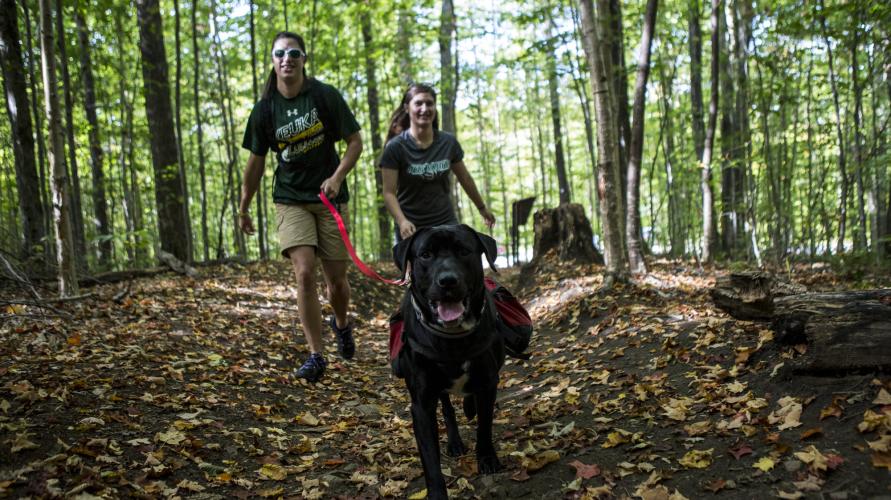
x: 842, y: 160
x: 199, y: 133
x: 695, y: 45
x: 566, y: 231
x: 76, y: 210
x: 632, y: 220
x: 100, y: 204
x: 751, y: 295
x: 448, y: 84
x: 860, y: 240
x: 19, y: 110
x: 61, y: 218
x: 708, y: 221
x: 383, y: 218
x: 403, y: 44
x: 677, y: 235
x: 232, y: 193
x: 180, y: 161
x: 45, y: 201
x: 732, y: 186
x: 262, y: 229
x: 608, y: 171
x: 169, y: 195
x: 614, y: 36
x: 554, y: 97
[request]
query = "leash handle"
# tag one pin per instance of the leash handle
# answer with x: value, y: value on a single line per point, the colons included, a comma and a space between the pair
x: 367, y: 271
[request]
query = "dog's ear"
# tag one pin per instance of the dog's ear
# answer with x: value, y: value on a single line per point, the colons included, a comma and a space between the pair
x: 401, y: 252
x: 490, y: 248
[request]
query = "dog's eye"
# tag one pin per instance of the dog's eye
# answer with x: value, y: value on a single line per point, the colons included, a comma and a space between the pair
x: 426, y: 254
x: 464, y: 252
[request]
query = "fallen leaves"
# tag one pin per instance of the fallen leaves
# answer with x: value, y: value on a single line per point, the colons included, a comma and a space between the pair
x: 697, y: 459
x: 788, y: 415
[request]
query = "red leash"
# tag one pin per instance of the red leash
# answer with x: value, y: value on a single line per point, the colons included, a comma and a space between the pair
x: 367, y: 271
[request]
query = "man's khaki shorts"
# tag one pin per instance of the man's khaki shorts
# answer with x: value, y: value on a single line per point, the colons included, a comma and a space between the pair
x: 311, y: 224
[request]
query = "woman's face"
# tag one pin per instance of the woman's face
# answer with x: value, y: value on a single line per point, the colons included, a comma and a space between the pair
x: 288, y: 64
x: 422, y: 109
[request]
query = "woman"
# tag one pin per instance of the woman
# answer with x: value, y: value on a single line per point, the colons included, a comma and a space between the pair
x: 301, y: 119
x: 416, y: 163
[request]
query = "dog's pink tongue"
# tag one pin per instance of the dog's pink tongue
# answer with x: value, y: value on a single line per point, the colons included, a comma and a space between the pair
x: 450, y: 311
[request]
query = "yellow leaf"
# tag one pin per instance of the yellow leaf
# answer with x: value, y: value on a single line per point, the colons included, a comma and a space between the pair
x: 882, y: 444
x: 74, y: 340
x: 884, y: 398
x: 419, y: 495
x: 616, y: 438
x: 812, y: 456
x: 4, y: 405
x: 172, y: 437
x: 698, y: 428
x: 274, y: 472
x: 21, y: 442
x: 882, y: 460
x: 393, y: 488
x: 765, y: 464
x: 185, y: 484
x: 697, y: 459
x: 535, y: 463
x: 307, y: 419
x: 872, y: 421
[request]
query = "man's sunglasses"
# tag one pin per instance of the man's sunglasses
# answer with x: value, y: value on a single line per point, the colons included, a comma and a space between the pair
x: 292, y: 53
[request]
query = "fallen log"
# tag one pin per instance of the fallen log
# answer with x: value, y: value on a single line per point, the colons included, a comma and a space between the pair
x: 750, y: 295
x: 177, y: 265
x: 793, y: 313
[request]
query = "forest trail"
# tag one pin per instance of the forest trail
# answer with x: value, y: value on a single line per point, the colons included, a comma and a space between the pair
x: 183, y: 388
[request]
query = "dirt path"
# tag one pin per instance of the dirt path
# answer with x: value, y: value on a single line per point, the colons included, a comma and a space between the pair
x: 183, y: 389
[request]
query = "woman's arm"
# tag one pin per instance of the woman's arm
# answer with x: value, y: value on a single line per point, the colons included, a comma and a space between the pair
x: 390, y: 178
x: 253, y: 172
x: 469, y: 186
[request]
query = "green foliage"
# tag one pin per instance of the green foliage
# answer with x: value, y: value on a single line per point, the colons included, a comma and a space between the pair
x: 503, y: 112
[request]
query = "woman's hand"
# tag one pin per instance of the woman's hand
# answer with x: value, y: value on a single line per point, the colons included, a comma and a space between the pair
x: 488, y: 218
x: 406, y: 229
x: 246, y: 223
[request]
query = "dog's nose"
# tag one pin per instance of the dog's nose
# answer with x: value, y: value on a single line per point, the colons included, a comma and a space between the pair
x: 447, y: 280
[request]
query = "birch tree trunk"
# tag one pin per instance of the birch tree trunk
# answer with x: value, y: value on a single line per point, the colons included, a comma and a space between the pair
x: 19, y: 111
x: 608, y: 171
x: 635, y: 153
x: 62, y: 223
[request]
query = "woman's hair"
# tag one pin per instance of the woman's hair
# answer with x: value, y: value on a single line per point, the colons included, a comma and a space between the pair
x: 272, y: 80
x: 400, y: 120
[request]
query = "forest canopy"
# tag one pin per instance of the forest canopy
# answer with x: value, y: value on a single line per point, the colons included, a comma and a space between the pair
x: 793, y: 96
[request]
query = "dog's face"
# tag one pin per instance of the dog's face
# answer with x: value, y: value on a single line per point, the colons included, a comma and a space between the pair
x: 447, y: 273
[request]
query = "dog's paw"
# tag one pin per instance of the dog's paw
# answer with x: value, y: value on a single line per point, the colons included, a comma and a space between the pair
x: 489, y: 464
x: 456, y: 449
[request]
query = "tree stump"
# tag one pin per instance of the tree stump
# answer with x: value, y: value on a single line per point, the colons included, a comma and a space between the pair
x: 751, y: 295
x: 567, y: 230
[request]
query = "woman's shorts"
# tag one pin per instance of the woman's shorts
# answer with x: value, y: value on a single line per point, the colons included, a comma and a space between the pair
x: 311, y: 224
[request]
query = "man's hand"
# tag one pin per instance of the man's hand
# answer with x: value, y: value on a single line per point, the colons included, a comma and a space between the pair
x: 331, y: 186
x: 246, y: 223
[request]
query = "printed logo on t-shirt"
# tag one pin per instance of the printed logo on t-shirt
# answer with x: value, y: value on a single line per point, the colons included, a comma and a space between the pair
x: 428, y: 170
x: 300, y: 135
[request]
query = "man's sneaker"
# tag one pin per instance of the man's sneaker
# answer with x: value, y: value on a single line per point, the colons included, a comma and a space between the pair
x: 346, y: 346
x: 313, y: 369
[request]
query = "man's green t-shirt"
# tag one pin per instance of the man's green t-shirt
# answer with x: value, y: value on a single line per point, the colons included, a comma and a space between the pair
x: 303, y: 145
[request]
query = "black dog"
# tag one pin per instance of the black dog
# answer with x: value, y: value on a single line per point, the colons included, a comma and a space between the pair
x: 451, y: 343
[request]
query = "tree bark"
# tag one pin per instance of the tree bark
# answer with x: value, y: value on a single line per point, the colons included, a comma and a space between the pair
x: 61, y: 218
x: 695, y: 49
x: 842, y: 159
x: 100, y: 203
x: 608, y: 171
x: 76, y: 210
x: 199, y: 133
x: 403, y: 44
x: 554, y: 98
x: 262, y: 230
x: 860, y: 240
x: 708, y: 221
x: 383, y: 218
x: 566, y: 231
x: 614, y: 36
x: 635, y: 154
x: 180, y: 161
x: 19, y: 110
x: 169, y: 195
